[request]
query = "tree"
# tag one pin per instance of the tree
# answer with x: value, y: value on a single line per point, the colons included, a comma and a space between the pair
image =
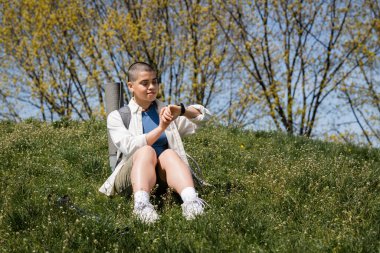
x: 60, y: 54
x: 362, y: 93
x: 200, y: 41
x: 278, y: 61
x: 45, y: 54
x: 295, y: 53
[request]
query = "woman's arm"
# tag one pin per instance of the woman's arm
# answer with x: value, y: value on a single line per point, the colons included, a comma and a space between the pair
x: 121, y: 136
x: 195, y: 115
x: 190, y: 112
x: 165, y: 119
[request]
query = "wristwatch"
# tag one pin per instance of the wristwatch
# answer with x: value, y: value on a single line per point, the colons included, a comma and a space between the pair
x: 183, y: 109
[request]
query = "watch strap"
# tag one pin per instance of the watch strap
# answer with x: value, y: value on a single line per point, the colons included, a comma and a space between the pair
x: 183, y: 109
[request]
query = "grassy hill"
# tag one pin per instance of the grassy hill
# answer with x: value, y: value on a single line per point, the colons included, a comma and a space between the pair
x: 271, y: 192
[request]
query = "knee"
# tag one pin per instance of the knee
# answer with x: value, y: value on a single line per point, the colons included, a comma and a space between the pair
x: 146, y: 153
x: 170, y: 159
x: 169, y: 152
x: 169, y: 155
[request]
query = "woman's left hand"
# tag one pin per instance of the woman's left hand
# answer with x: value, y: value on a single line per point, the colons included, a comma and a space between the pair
x: 175, y: 110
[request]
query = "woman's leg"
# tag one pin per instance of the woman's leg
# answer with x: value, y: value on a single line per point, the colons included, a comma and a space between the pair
x: 143, y: 177
x: 174, y: 171
x: 179, y: 177
x: 143, y: 174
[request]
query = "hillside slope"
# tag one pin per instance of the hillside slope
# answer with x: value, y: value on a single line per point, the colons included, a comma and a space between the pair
x: 271, y: 192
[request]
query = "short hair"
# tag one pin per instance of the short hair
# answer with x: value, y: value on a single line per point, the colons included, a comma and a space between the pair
x: 136, y: 68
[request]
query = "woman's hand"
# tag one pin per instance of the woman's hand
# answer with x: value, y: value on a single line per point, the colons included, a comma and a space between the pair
x: 166, y: 117
x: 190, y: 112
x: 175, y: 110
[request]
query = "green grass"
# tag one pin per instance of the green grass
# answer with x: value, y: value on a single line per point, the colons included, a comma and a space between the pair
x: 271, y: 192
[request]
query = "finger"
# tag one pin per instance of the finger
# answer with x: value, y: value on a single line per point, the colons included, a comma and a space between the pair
x: 168, y: 113
x: 168, y: 117
x: 169, y: 110
x: 162, y: 112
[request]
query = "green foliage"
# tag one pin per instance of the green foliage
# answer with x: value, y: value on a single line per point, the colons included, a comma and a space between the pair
x: 271, y: 192
x: 58, y: 55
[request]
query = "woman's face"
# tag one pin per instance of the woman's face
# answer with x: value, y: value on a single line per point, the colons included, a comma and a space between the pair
x: 145, y: 88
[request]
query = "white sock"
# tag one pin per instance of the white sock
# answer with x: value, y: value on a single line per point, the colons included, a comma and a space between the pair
x: 141, y: 197
x: 188, y: 194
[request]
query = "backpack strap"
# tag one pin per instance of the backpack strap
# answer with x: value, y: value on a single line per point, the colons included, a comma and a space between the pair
x: 125, y: 113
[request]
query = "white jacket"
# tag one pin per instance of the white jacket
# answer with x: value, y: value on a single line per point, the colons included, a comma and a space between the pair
x: 128, y: 141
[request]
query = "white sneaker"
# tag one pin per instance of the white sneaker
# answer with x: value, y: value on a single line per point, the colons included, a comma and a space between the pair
x: 145, y: 212
x: 193, y: 208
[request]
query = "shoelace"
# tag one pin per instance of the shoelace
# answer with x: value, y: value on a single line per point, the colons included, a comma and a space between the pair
x: 199, y: 201
x: 146, y: 212
x: 142, y: 206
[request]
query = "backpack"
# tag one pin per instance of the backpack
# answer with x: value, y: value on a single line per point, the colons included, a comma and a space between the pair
x: 114, y: 100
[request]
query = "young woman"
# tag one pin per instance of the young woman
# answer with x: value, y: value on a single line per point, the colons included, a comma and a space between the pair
x: 152, y: 147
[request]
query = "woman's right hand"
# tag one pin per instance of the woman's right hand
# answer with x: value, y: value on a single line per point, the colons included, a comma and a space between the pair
x: 165, y: 117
